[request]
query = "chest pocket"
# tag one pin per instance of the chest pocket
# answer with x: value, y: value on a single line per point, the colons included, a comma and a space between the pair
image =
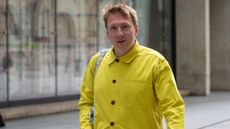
x: 138, y: 93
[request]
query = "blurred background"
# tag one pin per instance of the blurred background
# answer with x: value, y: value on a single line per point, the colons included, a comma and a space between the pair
x: 45, y: 46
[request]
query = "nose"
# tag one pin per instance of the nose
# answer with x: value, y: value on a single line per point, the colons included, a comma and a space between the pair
x: 120, y: 32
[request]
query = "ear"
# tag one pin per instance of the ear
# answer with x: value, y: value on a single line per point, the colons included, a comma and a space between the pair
x: 136, y: 27
x: 107, y: 34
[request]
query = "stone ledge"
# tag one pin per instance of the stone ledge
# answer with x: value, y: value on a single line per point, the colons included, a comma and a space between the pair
x: 184, y: 92
x: 38, y: 109
x: 47, y: 108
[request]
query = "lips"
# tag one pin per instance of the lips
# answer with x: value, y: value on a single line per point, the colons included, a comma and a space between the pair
x: 121, y: 41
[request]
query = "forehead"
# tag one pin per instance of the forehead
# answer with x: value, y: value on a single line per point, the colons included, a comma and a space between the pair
x: 118, y: 19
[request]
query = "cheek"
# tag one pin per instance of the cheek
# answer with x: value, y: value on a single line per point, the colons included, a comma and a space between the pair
x: 110, y: 37
x: 132, y: 34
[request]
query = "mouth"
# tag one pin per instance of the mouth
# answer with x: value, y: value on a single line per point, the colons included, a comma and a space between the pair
x: 121, y: 41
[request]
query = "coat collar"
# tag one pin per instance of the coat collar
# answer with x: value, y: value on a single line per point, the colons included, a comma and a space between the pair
x: 127, y: 58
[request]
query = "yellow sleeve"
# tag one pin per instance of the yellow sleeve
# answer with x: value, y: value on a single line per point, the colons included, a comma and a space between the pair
x: 170, y: 101
x: 86, y: 99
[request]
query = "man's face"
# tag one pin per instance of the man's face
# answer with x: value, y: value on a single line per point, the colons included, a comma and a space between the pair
x: 121, y: 32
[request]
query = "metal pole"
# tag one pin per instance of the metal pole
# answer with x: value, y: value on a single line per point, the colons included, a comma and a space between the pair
x: 7, y: 52
x: 55, y: 48
x: 173, y: 35
x: 97, y: 24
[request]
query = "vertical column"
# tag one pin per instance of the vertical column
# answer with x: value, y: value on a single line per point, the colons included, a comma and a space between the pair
x: 220, y: 46
x: 193, y: 46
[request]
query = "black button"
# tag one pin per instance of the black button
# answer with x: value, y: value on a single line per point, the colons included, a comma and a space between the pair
x: 112, y: 123
x: 117, y: 60
x: 114, y: 81
x: 112, y: 102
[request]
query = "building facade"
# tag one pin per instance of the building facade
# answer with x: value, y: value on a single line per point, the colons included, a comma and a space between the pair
x: 202, y: 45
x: 45, y: 44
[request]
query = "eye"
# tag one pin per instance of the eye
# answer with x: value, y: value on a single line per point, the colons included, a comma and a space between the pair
x: 125, y: 27
x: 113, y: 28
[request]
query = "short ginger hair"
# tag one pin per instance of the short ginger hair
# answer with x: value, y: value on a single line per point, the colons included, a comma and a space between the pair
x: 122, y: 9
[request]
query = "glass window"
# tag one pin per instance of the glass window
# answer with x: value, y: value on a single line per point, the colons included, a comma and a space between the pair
x: 161, y: 28
x: 45, y: 45
x: 3, y: 52
x: 76, y: 42
x: 31, y: 48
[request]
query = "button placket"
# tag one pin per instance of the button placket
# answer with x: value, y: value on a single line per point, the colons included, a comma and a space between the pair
x: 114, y: 81
x: 113, y: 102
x: 112, y: 123
x: 117, y: 60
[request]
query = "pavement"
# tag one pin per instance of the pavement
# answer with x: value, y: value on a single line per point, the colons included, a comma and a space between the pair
x: 202, y: 112
x: 208, y: 112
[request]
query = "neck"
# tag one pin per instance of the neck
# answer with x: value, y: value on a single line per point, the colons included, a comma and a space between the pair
x: 121, y: 52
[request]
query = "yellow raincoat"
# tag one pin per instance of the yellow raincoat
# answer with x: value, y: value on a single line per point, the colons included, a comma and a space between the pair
x: 134, y: 91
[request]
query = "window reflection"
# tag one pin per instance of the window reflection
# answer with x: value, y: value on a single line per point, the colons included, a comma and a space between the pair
x: 3, y: 57
x: 48, y: 49
x: 31, y: 49
x: 69, y: 45
x: 161, y: 28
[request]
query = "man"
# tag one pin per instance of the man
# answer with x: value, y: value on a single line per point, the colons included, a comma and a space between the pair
x: 134, y: 86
